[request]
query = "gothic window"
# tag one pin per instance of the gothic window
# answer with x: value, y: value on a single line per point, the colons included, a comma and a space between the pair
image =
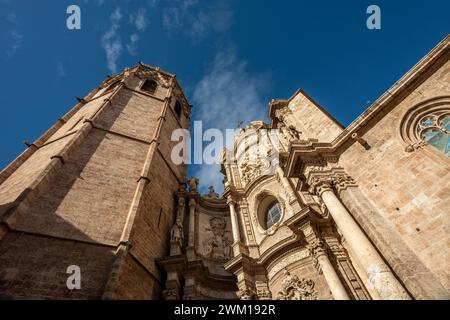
x: 273, y: 215
x: 178, y: 109
x: 434, y: 129
x: 428, y: 124
x: 149, y: 86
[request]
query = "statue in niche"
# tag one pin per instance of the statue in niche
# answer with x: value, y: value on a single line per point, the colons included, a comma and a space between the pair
x: 193, y: 183
x: 296, y: 289
x: 176, y: 234
x: 219, y: 244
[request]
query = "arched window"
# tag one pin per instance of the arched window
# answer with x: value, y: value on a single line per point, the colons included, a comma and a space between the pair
x: 149, y: 86
x: 428, y: 123
x: 434, y: 129
x: 177, y: 108
x: 273, y: 215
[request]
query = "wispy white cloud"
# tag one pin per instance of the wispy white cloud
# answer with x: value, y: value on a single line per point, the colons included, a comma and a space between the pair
x: 227, y: 94
x: 140, y: 22
x: 12, y: 18
x: 15, y: 37
x: 112, y: 42
x: 195, y: 20
x: 132, y: 45
x: 61, y: 70
x: 139, y: 19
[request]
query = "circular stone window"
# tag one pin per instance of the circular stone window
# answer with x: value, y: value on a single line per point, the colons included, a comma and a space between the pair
x: 269, y: 212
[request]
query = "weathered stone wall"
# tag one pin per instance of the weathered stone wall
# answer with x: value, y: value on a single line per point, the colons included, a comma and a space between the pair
x: 78, y: 212
x: 313, y: 121
x: 409, y: 189
x: 35, y: 267
x: 136, y: 283
x: 90, y: 196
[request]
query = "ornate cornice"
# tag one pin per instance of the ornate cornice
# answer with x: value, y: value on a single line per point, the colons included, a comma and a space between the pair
x: 322, y: 179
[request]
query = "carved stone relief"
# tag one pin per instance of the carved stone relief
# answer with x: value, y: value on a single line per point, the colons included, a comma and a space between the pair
x: 217, y: 245
x: 297, y: 289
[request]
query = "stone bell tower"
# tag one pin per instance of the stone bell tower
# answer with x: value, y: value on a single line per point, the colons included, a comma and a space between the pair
x: 96, y: 191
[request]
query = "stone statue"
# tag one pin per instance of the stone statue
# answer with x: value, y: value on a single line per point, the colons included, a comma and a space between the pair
x: 193, y: 184
x: 294, y: 133
x: 212, y: 193
x: 176, y: 234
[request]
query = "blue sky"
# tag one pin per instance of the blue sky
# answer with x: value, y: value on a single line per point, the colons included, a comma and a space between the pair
x: 232, y: 57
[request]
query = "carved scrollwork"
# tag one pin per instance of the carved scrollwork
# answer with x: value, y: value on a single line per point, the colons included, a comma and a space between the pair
x: 246, y: 294
x: 297, y: 289
x: 170, y: 294
x: 250, y: 171
x: 329, y: 181
x: 320, y: 184
x: 264, y: 294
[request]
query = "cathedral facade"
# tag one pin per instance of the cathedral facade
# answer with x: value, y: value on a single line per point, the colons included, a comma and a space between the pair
x: 355, y: 213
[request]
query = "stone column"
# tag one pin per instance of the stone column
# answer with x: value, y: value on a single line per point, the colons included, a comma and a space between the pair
x: 319, y: 253
x: 190, y: 250
x: 192, y: 205
x: 234, y: 220
x: 379, y: 274
x: 181, y: 206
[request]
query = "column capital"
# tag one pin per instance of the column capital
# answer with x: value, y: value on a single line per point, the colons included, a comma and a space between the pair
x: 318, y: 185
x: 230, y: 201
x: 192, y: 203
x: 317, y: 248
x: 320, y: 182
x: 246, y: 294
x: 264, y: 294
x: 181, y: 202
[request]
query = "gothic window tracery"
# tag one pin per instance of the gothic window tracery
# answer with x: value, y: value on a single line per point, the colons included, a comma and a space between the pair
x: 428, y: 124
x: 434, y: 129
